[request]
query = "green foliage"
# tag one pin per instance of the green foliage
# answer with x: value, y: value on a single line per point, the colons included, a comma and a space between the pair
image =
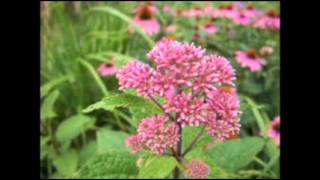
x: 109, y: 165
x: 73, y: 127
x: 240, y: 152
x: 109, y: 141
x: 47, y: 107
x: 157, y: 167
x: 67, y: 162
x: 139, y: 106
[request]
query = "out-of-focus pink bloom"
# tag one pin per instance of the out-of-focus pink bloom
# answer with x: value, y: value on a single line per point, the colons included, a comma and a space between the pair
x: 228, y: 11
x: 107, y: 69
x: 210, y: 28
x: 274, y: 130
x: 269, y: 21
x: 167, y: 9
x: 250, y: 10
x: 145, y: 18
x: 197, y: 169
x: 211, y: 12
x: 136, y: 75
x: 170, y: 28
x: 250, y: 59
x: 196, y: 37
x: 157, y: 134
x: 241, y: 18
x: 266, y: 50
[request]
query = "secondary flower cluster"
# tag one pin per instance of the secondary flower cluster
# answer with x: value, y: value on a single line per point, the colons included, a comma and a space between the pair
x: 197, y: 169
x: 198, y: 89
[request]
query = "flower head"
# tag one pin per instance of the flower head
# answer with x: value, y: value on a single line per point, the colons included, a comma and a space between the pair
x: 145, y: 18
x: 157, y: 134
x: 274, y: 130
x: 250, y: 59
x: 107, y: 69
x: 270, y: 20
x: 136, y: 75
x: 197, y: 169
x: 266, y: 50
x: 210, y: 28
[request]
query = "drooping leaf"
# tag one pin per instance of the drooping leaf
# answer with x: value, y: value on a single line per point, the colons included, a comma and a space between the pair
x: 109, y: 141
x: 109, y: 165
x: 157, y: 167
x: 235, y: 154
x: 47, y: 107
x: 73, y: 126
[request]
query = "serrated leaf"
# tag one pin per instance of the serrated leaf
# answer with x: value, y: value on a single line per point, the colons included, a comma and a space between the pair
x: 47, y: 107
x: 67, y: 163
x: 109, y: 141
x: 235, y: 154
x: 109, y: 165
x: 73, y: 126
x: 157, y: 167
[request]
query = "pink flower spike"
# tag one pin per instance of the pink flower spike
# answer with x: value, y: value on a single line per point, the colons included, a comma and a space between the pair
x: 250, y: 59
x: 107, y: 69
x: 197, y: 169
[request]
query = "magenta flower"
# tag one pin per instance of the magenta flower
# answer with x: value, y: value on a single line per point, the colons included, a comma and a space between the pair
x: 194, y: 12
x: 250, y: 59
x: 274, y: 130
x: 155, y: 134
x: 270, y: 20
x: 250, y: 10
x: 210, y: 28
x: 107, y: 69
x: 197, y: 169
x: 136, y: 75
x: 135, y: 143
x: 194, y: 86
x: 241, y: 18
x: 145, y: 18
x: 228, y: 10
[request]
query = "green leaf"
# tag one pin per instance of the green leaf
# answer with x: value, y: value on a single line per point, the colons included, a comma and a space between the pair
x: 46, y: 88
x: 109, y: 141
x: 67, y: 163
x: 190, y: 132
x: 73, y: 126
x: 109, y: 165
x: 47, y: 106
x: 235, y: 154
x: 88, y: 151
x: 157, y: 167
x: 139, y: 106
x: 44, y: 146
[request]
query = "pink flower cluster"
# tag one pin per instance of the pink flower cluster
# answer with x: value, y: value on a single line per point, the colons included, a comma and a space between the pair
x: 155, y: 134
x: 198, y: 89
x: 197, y: 169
